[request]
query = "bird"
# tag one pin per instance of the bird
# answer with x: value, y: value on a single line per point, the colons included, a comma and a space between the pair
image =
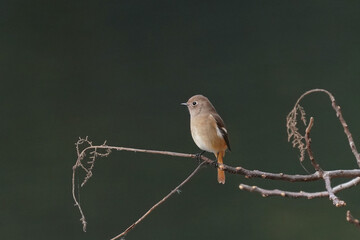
x: 208, y: 130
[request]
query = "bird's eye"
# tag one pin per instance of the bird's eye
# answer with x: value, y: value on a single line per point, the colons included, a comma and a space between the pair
x: 194, y: 103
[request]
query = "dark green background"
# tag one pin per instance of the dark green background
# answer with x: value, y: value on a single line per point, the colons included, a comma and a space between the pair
x: 117, y: 71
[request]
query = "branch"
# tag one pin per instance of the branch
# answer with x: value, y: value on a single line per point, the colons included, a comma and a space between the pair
x: 327, y: 179
x: 301, y: 194
x: 85, y: 147
x: 336, y: 201
x: 308, y: 147
x: 158, y: 203
x: 351, y: 173
x: 297, y: 139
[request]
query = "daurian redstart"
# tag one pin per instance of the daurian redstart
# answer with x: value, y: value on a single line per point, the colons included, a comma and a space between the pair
x: 208, y: 129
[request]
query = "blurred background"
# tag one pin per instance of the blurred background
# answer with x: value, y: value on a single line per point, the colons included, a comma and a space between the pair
x: 118, y: 71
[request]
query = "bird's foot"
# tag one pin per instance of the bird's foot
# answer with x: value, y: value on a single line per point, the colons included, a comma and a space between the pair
x: 198, y: 156
x: 216, y: 164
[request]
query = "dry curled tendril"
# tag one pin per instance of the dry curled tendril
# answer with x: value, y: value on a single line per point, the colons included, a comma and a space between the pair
x: 293, y: 131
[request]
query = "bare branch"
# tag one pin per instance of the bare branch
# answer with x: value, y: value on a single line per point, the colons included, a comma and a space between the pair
x: 239, y: 170
x: 351, y: 173
x: 85, y: 149
x: 277, y: 192
x: 336, y: 201
x: 300, y: 194
x: 158, y: 203
x: 308, y: 146
x: 77, y: 204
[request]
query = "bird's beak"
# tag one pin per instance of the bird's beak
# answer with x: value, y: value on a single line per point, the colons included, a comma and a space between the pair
x: 185, y: 104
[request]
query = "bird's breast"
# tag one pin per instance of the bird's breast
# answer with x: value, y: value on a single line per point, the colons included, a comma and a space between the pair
x: 205, y: 134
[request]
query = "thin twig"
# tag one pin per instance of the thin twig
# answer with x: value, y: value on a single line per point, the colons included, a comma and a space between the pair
x: 336, y: 201
x: 158, y: 203
x: 308, y: 147
x: 77, y: 204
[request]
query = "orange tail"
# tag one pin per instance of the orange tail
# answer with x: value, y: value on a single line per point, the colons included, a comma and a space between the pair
x: 221, y: 173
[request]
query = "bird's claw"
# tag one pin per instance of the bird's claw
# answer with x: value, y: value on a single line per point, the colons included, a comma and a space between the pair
x: 198, y: 156
x: 216, y: 164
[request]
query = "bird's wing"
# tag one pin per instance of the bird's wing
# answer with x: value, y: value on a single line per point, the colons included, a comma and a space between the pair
x: 221, y: 126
